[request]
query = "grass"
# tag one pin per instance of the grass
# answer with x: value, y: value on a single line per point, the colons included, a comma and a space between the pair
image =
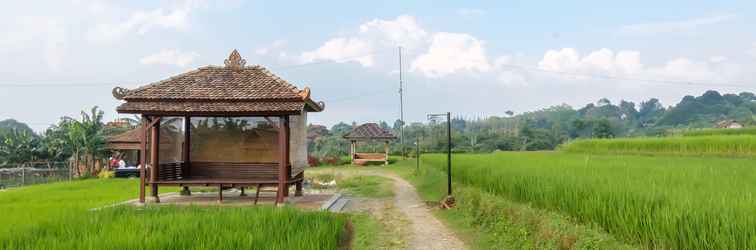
x: 184, y: 228
x: 58, y: 216
x: 655, y: 202
x: 367, y: 186
x: 721, y: 131
x: 486, y: 221
x: 704, y: 145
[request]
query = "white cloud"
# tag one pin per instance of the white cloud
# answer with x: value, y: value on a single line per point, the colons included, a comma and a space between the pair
x: 568, y: 60
x: 452, y: 52
x: 465, y: 12
x: 752, y: 51
x: 139, y: 21
x: 342, y: 50
x: 674, y: 26
x: 375, y: 34
x: 38, y: 33
x: 402, y: 31
x: 170, y: 57
x: 626, y: 67
x: 718, y: 59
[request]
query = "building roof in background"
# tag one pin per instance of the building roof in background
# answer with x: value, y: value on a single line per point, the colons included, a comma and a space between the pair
x: 369, y: 131
x: 234, y: 88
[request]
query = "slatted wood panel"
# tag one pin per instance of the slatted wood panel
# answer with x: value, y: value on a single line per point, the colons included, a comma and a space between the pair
x: 171, y: 171
x: 233, y: 170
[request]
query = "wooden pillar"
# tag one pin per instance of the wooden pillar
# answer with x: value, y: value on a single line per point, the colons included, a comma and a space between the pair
x: 154, y: 159
x: 298, y: 189
x: 143, y: 157
x: 186, y: 168
x: 352, y: 150
x: 283, y: 159
x: 288, y: 157
x: 386, y: 149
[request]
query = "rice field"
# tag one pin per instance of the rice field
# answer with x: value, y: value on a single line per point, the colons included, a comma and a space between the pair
x: 58, y: 216
x: 663, y: 202
x: 723, y: 131
x: 703, y: 145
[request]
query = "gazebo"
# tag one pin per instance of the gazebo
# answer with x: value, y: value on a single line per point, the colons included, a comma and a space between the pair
x: 369, y: 132
x: 231, y: 126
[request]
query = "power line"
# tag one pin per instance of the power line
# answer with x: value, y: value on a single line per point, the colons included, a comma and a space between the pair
x: 610, y: 77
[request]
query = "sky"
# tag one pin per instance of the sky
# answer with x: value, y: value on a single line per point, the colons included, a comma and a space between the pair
x: 472, y: 58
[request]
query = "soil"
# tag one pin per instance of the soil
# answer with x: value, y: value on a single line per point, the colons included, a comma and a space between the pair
x: 424, y: 230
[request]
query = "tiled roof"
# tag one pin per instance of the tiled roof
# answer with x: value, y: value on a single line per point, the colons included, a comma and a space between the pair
x: 231, y: 88
x: 131, y: 136
x: 210, y: 107
x: 369, y: 131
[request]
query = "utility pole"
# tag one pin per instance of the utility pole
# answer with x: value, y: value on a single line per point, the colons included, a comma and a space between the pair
x: 449, y: 201
x: 401, y: 104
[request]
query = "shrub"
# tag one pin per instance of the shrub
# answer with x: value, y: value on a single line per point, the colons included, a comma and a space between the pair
x: 105, y: 174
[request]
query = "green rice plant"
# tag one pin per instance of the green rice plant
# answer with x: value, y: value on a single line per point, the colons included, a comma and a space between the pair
x: 652, y: 201
x: 720, y: 131
x: 166, y: 227
x: 60, y: 216
x: 730, y: 146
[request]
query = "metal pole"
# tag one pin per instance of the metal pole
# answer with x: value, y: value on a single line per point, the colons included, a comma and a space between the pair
x: 448, y: 152
x: 401, y: 104
x: 417, y: 153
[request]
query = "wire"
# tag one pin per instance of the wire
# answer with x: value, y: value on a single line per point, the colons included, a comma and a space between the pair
x: 610, y: 77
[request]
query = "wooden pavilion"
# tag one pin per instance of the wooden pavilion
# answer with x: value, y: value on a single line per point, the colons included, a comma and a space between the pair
x: 366, y: 133
x: 231, y: 126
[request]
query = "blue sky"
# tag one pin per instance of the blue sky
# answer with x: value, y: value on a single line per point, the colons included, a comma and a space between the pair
x: 474, y: 58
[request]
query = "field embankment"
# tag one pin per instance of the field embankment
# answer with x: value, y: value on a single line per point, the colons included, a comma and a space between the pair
x: 703, y: 145
x: 657, y: 202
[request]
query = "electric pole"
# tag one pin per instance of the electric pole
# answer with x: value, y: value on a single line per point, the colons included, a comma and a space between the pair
x: 401, y: 104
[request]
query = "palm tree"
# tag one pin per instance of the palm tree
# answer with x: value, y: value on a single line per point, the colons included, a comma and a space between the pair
x: 85, y: 137
x: 19, y: 147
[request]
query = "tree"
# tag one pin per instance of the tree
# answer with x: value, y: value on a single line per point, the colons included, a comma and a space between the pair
x: 603, y: 129
x: 18, y: 147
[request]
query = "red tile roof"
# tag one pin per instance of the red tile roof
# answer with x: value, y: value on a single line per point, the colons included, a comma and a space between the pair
x: 219, y: 89
x: 369, y: 131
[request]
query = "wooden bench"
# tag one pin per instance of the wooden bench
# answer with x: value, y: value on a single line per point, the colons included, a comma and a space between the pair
x: 225, y: 175
x: 364, y: 158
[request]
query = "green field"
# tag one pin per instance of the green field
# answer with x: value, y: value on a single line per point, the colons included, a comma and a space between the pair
x: 58, y: 216
x: 704, y: 145
x: 722, y: 131
x: 656, y: 201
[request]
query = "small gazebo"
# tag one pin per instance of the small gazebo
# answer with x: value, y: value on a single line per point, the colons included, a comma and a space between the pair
x: 231, y: 126
x: 369, y: 132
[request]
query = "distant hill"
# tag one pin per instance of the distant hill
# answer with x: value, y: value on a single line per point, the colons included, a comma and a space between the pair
x: 10, y: 124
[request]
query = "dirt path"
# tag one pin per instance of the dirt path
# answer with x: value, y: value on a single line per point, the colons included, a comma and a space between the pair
x: 427, y: 231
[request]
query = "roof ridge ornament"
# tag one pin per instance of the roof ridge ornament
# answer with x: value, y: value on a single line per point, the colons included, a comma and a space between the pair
x: 305, y: 93
x: 235, y: 61
x: 119, y: 93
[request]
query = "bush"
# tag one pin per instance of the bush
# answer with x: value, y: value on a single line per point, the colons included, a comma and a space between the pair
x: 313, y: 161
x: 105, y: 174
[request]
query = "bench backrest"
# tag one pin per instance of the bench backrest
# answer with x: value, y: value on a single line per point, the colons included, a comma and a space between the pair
x: 234, y: 170
x: 371, y: 156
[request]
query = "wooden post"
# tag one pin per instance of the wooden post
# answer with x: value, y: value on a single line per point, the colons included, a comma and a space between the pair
x: 298, y: 189
x: 353, y: 150
x: 386, y: 148
x: 154, y: 159
x: 288, y: 155
x: 186, y: 168
x: 283, y: 158
x: 142, y: 157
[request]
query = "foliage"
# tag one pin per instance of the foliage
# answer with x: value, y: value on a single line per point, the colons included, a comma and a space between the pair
x: 728, y: 146
x: 722, y: 131
x: 367, y: 186
x: 487, y: 221
x: 105, y: 174
x: 656, y: 202
x: 547, y: 128
x: 55, y: 216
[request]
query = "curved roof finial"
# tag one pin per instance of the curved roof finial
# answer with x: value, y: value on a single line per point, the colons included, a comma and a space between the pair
x: 235, y: 61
